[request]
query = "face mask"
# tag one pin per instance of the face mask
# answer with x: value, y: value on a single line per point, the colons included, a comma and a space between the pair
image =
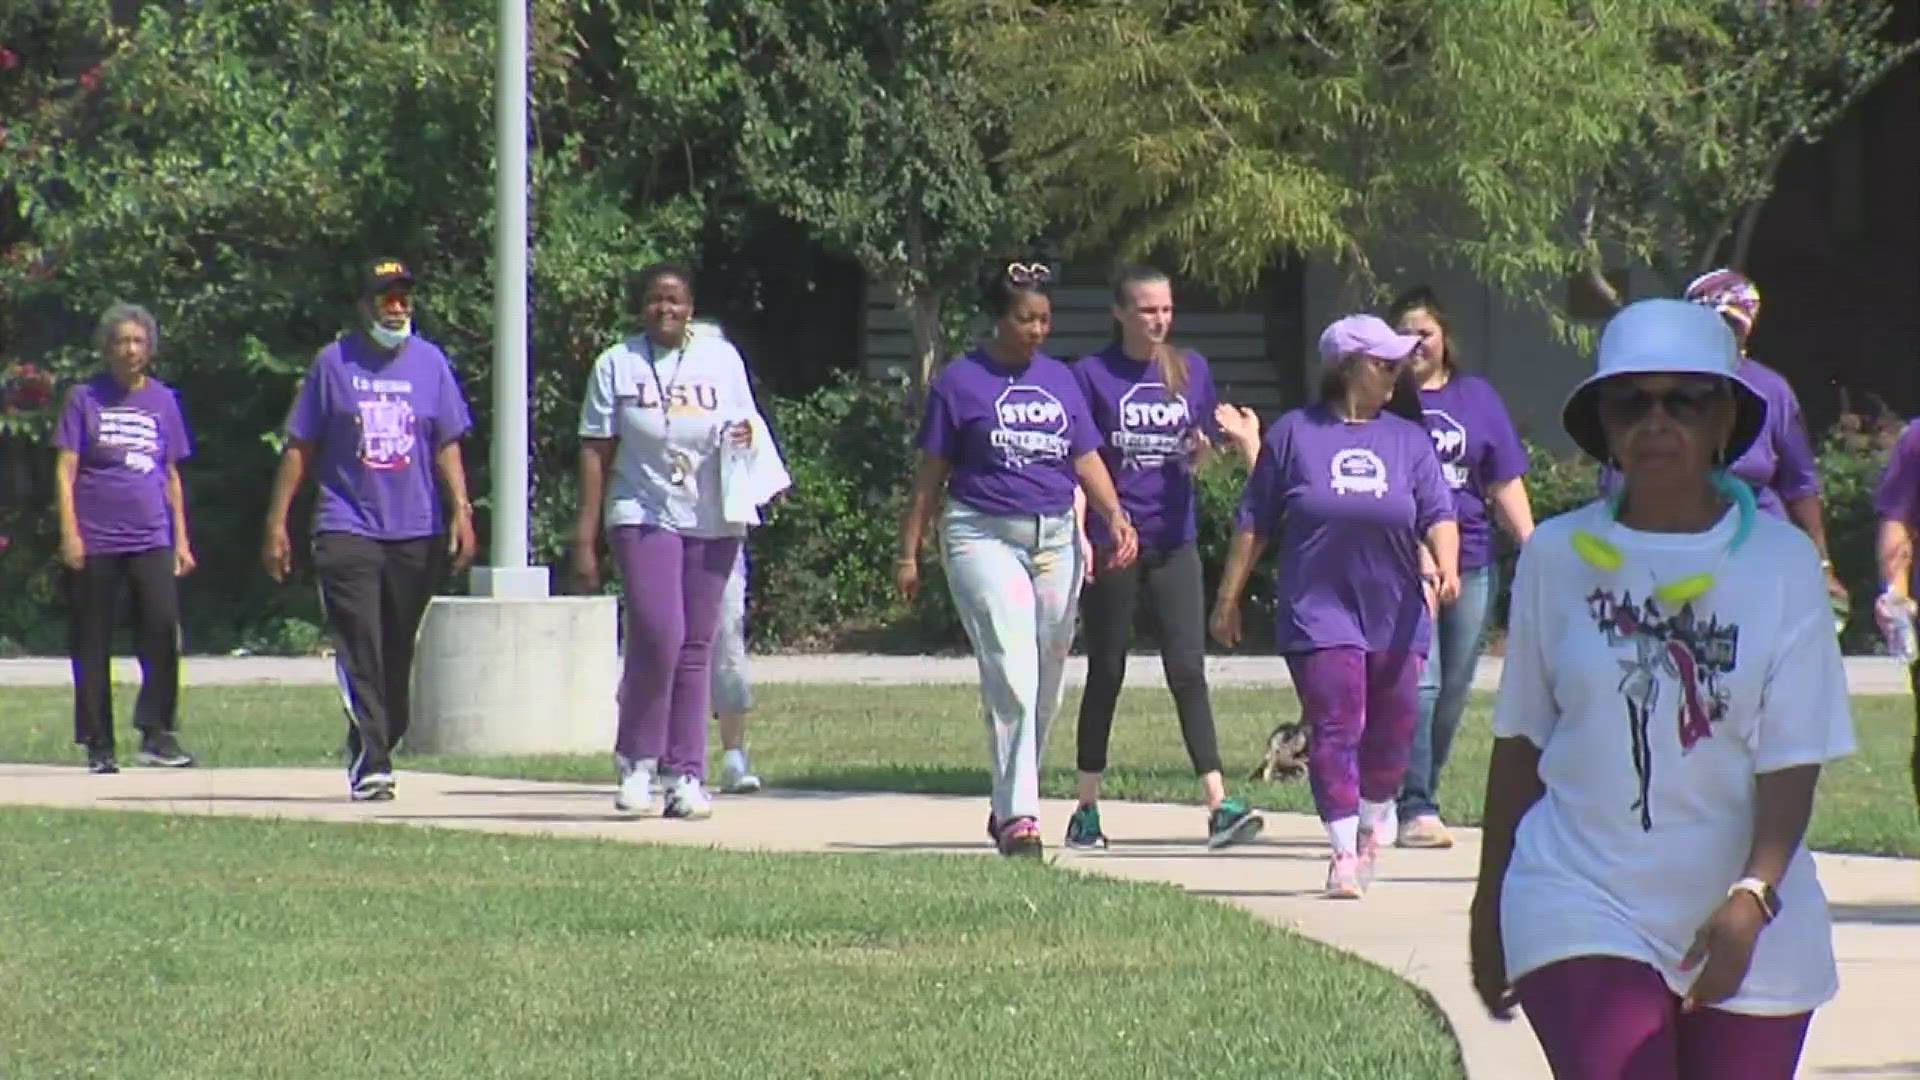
x: 390, y: 339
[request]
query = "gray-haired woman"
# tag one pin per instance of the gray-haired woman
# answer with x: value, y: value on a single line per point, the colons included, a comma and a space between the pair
x: 123, y: 523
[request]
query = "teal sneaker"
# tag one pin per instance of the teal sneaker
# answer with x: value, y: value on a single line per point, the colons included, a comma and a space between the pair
x: 1083, y: 829
x: 1232, y: 822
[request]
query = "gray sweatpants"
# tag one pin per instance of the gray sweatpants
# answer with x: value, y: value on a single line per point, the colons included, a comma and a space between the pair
x: 732, y: 685
x: 1016, y: 583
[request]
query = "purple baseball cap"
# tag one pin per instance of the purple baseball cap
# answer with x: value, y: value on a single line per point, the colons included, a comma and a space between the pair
x: 1367, y: 334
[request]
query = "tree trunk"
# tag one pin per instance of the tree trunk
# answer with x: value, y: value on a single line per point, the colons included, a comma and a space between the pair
x: 923, y: 317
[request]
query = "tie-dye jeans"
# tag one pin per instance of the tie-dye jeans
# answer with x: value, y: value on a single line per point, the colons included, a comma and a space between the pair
x: 1016, y: 584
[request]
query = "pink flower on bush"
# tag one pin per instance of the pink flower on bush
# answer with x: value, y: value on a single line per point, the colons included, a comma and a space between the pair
x: 8, y: 59
x: 5, y: 543
x: 26, y: 388
x: 90, y: 78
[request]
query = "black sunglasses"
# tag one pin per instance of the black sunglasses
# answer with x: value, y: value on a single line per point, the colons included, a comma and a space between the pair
x: 1687, y: 403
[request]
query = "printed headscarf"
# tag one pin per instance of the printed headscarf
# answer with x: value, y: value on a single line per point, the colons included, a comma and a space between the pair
x: 1730, y: 293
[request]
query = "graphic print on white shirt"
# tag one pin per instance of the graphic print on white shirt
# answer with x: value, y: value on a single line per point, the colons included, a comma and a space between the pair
x: 1450, y: 442
x: 1154, y: 426
x: 135, y: 433
x: 1030, y: 426
x: 1672, y: 658
x: 1359, y: 471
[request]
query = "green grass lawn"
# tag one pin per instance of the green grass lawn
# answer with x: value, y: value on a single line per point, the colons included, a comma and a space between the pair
x: 931, y: 739
x: 162, y: 947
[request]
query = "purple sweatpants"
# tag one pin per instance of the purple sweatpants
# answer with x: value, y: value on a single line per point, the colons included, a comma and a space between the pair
x: 1609, y: 1018
x: 673, y: 586
x: 1362, y: 707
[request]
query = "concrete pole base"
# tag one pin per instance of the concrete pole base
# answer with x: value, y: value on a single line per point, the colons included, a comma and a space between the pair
x: 497, y: 676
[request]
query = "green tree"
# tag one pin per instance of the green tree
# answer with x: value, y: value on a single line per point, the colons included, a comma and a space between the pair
x: 231, y: 164
x: 1234, y: 131
x: 1686, y: 191
x: 861, y: 121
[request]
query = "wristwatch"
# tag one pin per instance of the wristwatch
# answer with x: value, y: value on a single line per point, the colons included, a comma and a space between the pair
x: 1763, y: 892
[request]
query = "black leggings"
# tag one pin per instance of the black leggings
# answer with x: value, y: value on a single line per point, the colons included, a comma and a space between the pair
x: 1176, y: 594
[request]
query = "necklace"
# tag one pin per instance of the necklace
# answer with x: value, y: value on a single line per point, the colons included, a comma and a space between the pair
x: 680, y: 466
x: 1601, y: 554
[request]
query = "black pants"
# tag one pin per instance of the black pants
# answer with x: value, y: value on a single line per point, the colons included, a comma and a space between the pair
x: 1913, y: 677
x: 374, y: 594
x: 93, y: 602
x: 1176, y: 594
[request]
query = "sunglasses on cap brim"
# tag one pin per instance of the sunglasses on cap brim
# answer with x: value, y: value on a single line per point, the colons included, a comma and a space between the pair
x: 1028, y: 274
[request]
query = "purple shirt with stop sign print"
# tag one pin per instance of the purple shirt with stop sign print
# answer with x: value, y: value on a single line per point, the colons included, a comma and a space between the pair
x: 1011, y: 436
x: 1147, y: 441
x: 124, y: 441
x: 1350, y: 504
x: 375, y: 420
x: 1478, y: 448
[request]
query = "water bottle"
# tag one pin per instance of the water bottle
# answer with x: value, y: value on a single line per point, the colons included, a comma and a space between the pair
x: 1895, y: 616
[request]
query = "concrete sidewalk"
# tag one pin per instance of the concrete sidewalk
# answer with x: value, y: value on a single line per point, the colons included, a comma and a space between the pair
x: 1865, y: 674
x: 1413, y: 922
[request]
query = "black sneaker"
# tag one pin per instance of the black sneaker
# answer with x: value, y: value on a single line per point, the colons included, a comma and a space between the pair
x: 1083, y: 829
x: 374, y: 787
x: 163, y: 750
x: 1232, y: 822
x: 100, y: 761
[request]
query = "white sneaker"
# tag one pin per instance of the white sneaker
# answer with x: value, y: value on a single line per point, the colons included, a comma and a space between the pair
x: 688, y: 799
x: 735, y: 777
x: 636, y: 794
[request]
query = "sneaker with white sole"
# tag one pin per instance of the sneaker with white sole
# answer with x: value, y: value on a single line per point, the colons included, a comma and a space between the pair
x: 373, y: 787
x: 688, y: 798
x: 1424, y: 831
x: 736, y: 778
x: 1343, y: 877
x: 636, y: 794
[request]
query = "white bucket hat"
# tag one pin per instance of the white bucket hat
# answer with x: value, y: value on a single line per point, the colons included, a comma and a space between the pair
x: 1664, y: 337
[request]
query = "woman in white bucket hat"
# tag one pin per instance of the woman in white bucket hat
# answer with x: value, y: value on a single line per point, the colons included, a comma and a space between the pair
x: 1672, y: 687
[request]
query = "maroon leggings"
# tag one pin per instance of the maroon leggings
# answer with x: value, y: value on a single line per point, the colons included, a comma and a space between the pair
x: 1608, y: 1018
x: 1362, y: 707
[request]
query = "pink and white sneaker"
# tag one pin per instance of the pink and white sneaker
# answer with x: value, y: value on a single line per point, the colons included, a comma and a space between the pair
x: 1343, y: 877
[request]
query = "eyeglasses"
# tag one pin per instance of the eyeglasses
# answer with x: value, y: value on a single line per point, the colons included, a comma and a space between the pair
x: 1686, y: 403
x: 1027, y: 275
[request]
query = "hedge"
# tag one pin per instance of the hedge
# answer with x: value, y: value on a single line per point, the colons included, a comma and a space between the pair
x: 823, y: 562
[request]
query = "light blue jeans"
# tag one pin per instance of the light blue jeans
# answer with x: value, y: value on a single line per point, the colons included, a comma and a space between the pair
x: 1016, y: 583
x: 732, y: 683
x: 1458, y: 636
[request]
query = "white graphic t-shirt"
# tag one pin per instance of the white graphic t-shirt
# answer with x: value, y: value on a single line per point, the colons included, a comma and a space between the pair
x: 1652, y: 723
x: 667, y: 408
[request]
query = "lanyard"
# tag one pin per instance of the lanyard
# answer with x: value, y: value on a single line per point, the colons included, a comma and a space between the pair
x: 681, y: 467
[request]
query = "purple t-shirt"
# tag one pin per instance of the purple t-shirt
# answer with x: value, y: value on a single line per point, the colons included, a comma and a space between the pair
x: 1779, y: 466
x: 1897, y: 498
x: 125, y: 441
x: 375, y: 421
x: 1478, y: 448
x: 1351, y: 503
x: 1147, y: 441
x: 1010, y: 436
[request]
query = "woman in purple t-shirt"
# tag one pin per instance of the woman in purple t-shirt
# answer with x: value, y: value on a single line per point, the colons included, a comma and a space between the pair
x: 1153, y: 405
x: 123, y: 524
x: 1352, y: 489
x: 378, y: 418
x: 1006, y: 436
x: 1483, y: 462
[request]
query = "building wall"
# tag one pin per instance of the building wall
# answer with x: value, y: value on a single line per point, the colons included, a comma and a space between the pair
x: 1246, y: 341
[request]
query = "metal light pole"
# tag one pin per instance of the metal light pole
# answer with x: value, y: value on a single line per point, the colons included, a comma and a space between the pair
x: 508, y: 574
